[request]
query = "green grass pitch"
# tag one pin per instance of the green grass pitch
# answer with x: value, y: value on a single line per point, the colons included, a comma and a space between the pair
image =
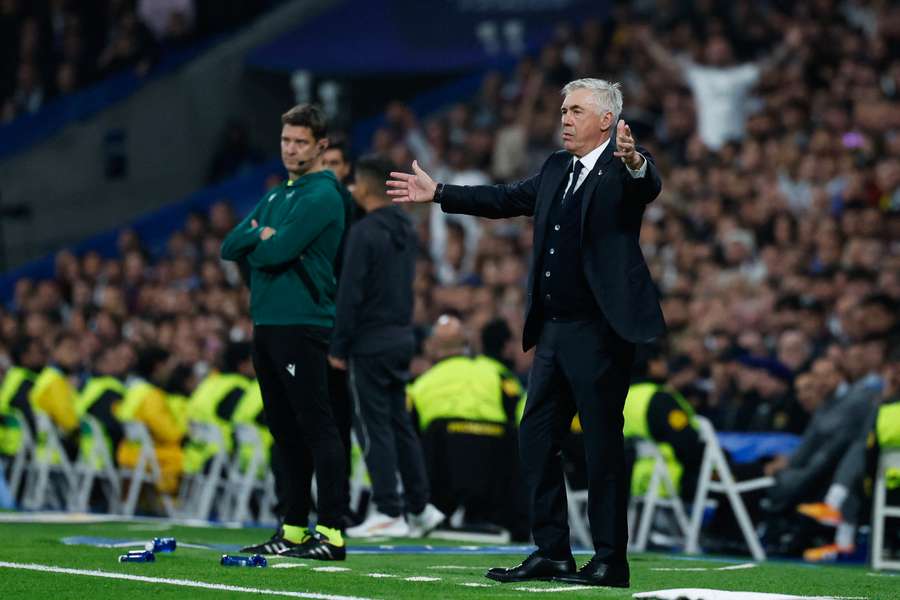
x: 449, y: 576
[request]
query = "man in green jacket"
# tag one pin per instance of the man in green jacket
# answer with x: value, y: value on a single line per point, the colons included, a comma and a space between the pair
x: 288, y: 245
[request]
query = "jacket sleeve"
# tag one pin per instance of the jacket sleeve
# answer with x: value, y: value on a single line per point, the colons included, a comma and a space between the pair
x: 242, y: 239
x: 162, y: 424
x: 351, y: 291
x: 307, y: 220
x: 492, y: 201
x: 58, y: 403
x: 643, y: 189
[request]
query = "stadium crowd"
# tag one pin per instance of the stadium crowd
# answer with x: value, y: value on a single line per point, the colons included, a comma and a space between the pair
x: 52, y: 48
x: 775, y: 243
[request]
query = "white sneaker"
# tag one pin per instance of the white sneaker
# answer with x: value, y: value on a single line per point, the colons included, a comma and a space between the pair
x: 379, y: 524
x: 425, y: 522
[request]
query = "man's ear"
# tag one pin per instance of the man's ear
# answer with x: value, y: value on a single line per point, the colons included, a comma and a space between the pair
x: 322, y: 144
x: 607, y: 122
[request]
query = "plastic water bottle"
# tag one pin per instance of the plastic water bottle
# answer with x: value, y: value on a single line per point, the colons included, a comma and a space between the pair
x: 244, y: 561
x: 161, y: 545
x: 138, y: 556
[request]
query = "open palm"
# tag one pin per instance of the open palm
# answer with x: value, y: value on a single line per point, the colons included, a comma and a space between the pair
x: 417, y: 186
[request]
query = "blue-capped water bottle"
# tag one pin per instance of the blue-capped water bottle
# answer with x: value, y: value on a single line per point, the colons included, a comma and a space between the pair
x: 161, y: 545
x: 137, y: 556
x: 243, y: 561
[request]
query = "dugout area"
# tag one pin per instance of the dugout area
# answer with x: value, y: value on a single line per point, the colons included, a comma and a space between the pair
x: 68, y: 561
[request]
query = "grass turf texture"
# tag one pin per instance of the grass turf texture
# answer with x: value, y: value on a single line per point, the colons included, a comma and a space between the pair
x: 40, y: 543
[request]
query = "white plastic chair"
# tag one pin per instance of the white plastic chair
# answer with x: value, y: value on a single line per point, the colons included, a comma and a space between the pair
x: 48, y: 460
x: 881, y: 511
x: 88, y: 472
x: 659, y: 480
x: 200, y: 490
x: 22, y: 462
x: 145, y: 471
x: 577, y: 503
x: 715, y: 463
x: 243, y: 480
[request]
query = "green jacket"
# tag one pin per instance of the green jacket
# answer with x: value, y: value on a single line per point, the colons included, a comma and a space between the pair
x: 292, y: 273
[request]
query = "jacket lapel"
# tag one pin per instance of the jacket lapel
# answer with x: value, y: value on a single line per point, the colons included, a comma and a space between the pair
x: 590, y: 184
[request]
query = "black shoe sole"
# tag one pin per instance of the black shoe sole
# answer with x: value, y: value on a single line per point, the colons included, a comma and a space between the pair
x: 503, y: 579
x: 335, y: 557
x: 575, y: 580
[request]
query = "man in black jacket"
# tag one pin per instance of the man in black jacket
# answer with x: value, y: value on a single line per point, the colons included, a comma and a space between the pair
x: 590, y: 300
x: 373, y: 339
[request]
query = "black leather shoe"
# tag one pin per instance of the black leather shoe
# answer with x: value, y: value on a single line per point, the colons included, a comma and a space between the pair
x: 597, y: 572
x: 534, y: 567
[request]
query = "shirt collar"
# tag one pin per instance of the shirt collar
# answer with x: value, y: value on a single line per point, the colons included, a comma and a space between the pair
x: 590, y: 159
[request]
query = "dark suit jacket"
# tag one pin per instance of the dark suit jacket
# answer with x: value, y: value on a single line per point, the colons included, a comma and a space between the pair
x: 611, y: 214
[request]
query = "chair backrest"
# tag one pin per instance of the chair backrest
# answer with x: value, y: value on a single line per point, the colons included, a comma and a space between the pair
x: 99, y: 449
x: 137, y: 432
x: 707, y: 431
x: 207, y: 433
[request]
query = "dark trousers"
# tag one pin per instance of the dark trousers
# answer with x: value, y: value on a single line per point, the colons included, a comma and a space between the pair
x: 581, y: 366
x: 471, y: 464
x: 339, y: 393
x: 291, y: 366
x: 385, y: 430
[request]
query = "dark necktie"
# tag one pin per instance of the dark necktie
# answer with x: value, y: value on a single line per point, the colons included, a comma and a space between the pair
x: 576, y: 171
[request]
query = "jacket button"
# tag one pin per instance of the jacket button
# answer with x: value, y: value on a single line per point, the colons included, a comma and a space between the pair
x: 552, y: 251
x: 556, y: 227
x: 547, y: 274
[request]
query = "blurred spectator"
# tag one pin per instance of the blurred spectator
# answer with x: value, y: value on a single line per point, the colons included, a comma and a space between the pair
x: 168, y: 19
x: 337, y: 158
x: 58, y: 46
x: 234, y: 152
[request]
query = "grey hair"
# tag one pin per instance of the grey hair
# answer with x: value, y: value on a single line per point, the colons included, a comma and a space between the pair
x: 607, y: 95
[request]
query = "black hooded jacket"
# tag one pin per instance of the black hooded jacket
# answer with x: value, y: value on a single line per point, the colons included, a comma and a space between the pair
x: 375, y: 295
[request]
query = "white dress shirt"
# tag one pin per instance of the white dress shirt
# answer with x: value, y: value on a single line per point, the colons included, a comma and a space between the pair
x: 589, y: 161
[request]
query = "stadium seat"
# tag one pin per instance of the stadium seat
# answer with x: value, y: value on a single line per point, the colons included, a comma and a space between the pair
x: 20, y: 463
x: 200, y: 490
x: 654, y: 498
x: 244, y: 480
x: 51, y: 481
x: 97, y: 465
x: 145, y: 471
x: 881, y: 511
x: 716, y: 476
x: 647, y: 504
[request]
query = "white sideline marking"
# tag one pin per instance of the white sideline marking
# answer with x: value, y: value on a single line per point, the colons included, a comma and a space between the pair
x: 568, y: 588
x: 288, y: 565
x: 177, y: 582
x: 706, y: 594
x: 695, y: 569
x: 331, y: 569
x: 472, y: 584
x: 422, y: 579
x: 379, y: 575
x: 150, y: 527
x: 460, y: 567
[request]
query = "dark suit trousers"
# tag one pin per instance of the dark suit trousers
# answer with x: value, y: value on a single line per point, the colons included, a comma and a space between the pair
x: 581, y: 366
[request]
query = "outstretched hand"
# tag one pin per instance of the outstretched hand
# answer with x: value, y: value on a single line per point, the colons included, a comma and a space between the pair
x: 625, y: 147
x: 417, y: 186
